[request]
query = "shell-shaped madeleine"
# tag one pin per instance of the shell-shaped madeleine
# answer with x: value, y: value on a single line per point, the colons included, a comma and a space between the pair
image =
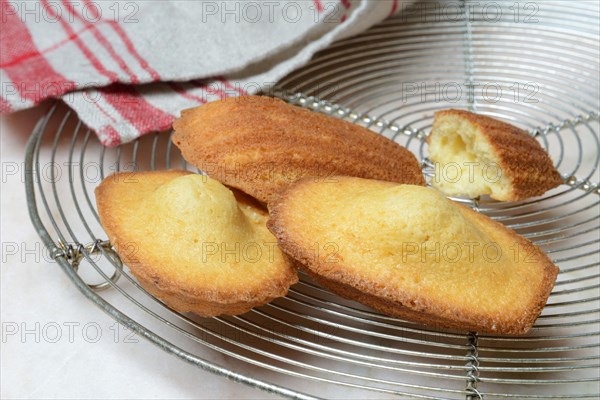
x: 190, y: 242
x: 261, y: 145
x: 409, y: 252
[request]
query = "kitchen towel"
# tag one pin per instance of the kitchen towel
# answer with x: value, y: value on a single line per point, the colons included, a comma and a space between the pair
x: 129, y: 67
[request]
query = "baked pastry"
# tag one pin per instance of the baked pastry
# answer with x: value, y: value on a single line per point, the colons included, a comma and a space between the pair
x: 260, y: 145
x: 189, y: 242
x: 409, y: 252
x: 477, y: 155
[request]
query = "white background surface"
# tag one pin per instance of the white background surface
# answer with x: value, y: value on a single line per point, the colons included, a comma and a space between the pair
x: 55, y: 350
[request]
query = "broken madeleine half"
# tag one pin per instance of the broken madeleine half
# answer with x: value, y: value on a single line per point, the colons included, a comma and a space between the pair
x: 191, y: 243
x: 261, y: 145
x: 409, y: 252
x: 476, y: 155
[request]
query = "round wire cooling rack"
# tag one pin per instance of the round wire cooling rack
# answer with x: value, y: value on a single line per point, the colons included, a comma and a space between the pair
x: 536, y: 67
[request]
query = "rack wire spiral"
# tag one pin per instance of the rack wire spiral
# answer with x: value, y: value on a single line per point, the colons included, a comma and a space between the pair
x: 390, y: 79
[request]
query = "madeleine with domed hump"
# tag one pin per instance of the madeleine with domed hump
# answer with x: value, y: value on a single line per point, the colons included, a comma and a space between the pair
x: 190, y: 242
x: 409, y: 252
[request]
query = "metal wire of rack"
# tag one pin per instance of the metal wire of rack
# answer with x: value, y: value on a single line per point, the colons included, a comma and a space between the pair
x: 390, y: 79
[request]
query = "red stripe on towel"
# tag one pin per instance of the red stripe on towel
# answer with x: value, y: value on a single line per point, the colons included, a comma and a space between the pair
x: 102, y: 40
x: 394, y: 7
x: 37, y: 79
x: 237, y: 88
x: 134, y: 108
x: 318, y: 6
x: 180, y: 90
x: 112, y: 76
x: 127, y: 41
x: 347, y: 5
x: 111, y: 137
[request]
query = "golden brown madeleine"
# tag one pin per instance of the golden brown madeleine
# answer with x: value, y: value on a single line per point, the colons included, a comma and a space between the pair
x: 409, y: 252
x: 477, y: 155
x: 260, y: 145
x: 189, y: 242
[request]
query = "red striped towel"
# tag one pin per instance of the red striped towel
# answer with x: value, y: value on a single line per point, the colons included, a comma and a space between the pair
x: 129, y: 67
